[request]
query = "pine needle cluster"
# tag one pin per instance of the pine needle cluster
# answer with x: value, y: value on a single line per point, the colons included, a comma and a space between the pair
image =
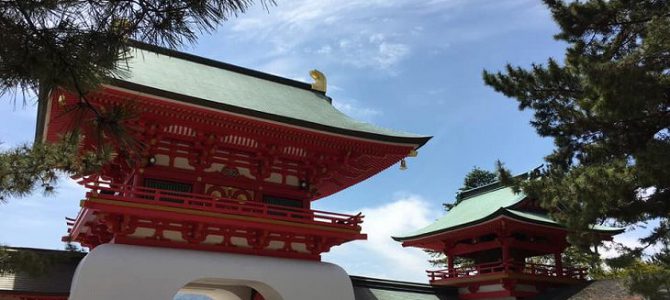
x: 77, y: 46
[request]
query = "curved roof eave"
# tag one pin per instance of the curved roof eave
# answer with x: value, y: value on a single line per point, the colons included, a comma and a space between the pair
x: 471, y: 211
x: 443, y: 230
x: 418, y: 141
x: 512, y: 214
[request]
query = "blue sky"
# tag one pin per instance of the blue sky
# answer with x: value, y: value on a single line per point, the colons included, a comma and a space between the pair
x: 403, y: 64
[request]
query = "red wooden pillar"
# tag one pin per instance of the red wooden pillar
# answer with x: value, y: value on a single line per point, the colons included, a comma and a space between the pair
x: 504, y: 239
x: 559, y: 264
x: 450, y: 258
x: 138, y: 181
x: 505, y: 253
x: 198, y: 186
x: 450, y: 265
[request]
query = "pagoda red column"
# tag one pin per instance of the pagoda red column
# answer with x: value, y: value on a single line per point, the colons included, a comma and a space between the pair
x: 450, y: 264
x: 559, y: 264
x: 505, y: 252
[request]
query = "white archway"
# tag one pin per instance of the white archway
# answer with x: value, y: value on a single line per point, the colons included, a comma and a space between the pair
x: 218, y: 289
x: 181, y: 295
x: 112, y: 272
x: 213, y: 294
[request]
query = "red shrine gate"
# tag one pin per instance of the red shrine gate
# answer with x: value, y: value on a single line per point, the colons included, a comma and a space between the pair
x: 215, y: 174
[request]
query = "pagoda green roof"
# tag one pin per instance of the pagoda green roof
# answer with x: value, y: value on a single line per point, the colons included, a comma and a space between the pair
x: 485, y: 204
x: 196, y: 80
x: 543, y: 218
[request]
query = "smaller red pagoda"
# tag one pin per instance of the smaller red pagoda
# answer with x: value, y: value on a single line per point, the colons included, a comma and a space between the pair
x: 496, y: 233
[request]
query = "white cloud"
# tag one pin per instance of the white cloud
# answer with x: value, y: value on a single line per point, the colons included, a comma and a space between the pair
x: 630, y: 239
x: 325, y: 50
x: 357, y: 33
x: 381, y: 256
x: 391, y: 53
x: 375, y: 37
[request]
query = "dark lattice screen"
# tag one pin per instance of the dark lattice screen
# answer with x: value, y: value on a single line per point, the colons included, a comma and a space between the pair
x: 168, y: 186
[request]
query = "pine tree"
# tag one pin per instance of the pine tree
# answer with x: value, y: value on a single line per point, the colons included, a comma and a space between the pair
x: 475, y: 178
x: 78, y: 45
x: 607, y: 107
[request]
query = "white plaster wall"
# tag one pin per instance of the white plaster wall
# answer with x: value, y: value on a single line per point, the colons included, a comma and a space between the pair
x: 483, y: 288
x: 112, y: 272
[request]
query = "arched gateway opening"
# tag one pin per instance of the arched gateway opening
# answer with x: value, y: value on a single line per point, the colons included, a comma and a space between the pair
x: 225, y: 289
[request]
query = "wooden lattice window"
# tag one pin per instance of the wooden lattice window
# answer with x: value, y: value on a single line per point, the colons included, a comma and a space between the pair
x: 289, y: 205
x: 168, y: 185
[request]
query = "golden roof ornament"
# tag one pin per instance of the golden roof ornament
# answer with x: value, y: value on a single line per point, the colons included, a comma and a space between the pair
x: 319, y: 81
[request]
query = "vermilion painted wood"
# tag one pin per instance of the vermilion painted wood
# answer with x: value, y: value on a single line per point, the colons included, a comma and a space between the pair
x: 325, y: 162
x: 329, y: 162
x: 135, y: 194
x: 499, y: 234
x: 119, y: 216
x: 214, y: 248
x: 499, y: 267
x: 437, y: 242
x: 496, y: 294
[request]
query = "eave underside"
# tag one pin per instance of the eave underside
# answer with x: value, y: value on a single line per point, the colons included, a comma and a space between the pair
x: 537, y: 220
x: 332, y: 162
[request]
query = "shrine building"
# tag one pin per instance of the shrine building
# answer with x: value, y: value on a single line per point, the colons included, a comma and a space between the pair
x: 210, y: 188
x: 490, y: 238
x: 231, y: 159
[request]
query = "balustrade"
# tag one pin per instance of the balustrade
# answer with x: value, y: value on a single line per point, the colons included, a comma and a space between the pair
x: 498, y: 267
x: 143, y: 195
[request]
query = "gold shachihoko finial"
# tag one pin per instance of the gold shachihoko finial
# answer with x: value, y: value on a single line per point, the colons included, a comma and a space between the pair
x: 319, y: 80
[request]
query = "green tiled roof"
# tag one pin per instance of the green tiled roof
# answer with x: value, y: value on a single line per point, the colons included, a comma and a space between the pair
x: 470, y: 211
x: 55, y: 279
x: 492, y: 201
x: 379, y: 294
x: 184, y: 77
x: 542, y: 218
x: 383, y: 289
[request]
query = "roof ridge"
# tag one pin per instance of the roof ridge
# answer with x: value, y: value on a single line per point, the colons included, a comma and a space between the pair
x: 470, y: 193
x: 222, y: 65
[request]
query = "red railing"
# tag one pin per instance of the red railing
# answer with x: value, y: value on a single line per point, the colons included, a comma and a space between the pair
x: 135, y: 194
x: 497, y: 267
